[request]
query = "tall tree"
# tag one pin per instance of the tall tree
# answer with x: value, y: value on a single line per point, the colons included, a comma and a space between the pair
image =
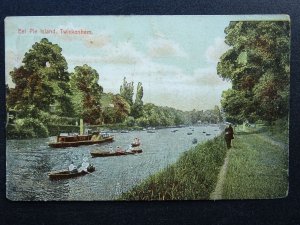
x: 137, y: 107
x: 126, y: 91
x: 257, y: 64
x: 86, y: 94
x: 42, y: 80
x: 121, y: 108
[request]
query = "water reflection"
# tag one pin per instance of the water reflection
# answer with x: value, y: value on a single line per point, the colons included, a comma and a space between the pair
x: 29, y: 161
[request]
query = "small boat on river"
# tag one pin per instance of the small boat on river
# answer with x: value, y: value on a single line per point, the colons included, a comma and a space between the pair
x: 64, y: 141
x: 151, y: 131
x: 119, y: 152
x: 136, y: 150
x: 136, y: 143
x: 66, y: 174
x: 107, y: 153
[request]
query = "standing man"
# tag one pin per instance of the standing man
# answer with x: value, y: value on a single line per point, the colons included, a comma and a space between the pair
x: 228, y: 135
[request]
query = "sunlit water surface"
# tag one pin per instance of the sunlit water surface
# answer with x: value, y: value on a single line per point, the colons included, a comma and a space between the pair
x: 29, y: 161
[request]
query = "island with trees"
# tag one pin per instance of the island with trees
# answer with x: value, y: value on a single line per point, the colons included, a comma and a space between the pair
x: 47, y: 99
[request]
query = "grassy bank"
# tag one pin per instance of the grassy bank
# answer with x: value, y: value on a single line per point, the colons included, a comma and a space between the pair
x: 257, y: 166
x: 193, y: 176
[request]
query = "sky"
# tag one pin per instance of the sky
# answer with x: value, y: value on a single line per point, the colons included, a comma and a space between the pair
x: 174, y: 57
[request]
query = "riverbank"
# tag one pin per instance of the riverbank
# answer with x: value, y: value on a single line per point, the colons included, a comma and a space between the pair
x: 192, y: 177
x: 256, y: 167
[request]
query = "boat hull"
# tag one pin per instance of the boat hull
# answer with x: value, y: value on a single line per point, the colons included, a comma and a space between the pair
x: 135, y: 144
x: 65, y: 174
x: 78, y: 143
x: 118, y: 153
x: 106, y: 154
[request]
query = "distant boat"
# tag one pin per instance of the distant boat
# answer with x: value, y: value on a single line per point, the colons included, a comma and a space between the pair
x: 136, y: 143
x: 150, y: 131
x: 174, y: 131
x: 203, y: 132
x: 124, y: 131
x: 189, y: 133
x: 65, y: 174
x: 207, y: 134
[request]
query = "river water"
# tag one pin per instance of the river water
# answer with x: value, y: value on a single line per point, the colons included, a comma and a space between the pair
x: 29, y: 161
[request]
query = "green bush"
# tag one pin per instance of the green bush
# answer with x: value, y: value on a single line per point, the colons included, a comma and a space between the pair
x: 57, y: 129
x: 27, y: 128
x: 129, y: 121
x: 50, y: 119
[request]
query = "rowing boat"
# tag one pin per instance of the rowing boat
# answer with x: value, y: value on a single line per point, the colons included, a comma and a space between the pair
x: 101, y: 153
x: 66, y: 174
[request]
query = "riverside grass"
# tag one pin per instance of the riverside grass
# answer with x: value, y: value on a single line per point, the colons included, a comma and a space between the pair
x: 192, y: 177
x: 257, y: 167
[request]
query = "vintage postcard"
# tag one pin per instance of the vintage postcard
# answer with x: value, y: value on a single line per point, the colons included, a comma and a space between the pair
x: 147, y: 107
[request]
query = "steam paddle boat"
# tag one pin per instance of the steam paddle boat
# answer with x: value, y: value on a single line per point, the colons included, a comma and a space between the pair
x: 64, y: 141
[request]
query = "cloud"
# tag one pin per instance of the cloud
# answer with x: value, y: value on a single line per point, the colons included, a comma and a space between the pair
x: 123, y: 53
x: 79, y: 60
x: 12, y: 60
x: 97, y: 41
x: 160, y: 47
x: 215, y: 51
x: 207, y: 76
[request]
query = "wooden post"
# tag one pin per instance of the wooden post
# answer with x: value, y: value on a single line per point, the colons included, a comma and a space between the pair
x: 81, y: 127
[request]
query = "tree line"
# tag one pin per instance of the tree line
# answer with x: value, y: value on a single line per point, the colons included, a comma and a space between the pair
x: 45, y: 93
x: 258, y: 66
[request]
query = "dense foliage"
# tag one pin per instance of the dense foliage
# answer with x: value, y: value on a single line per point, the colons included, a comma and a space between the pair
x: 86, y: 94
x: 53, y: 99
x: 41, y: 81
x: 257, y: 64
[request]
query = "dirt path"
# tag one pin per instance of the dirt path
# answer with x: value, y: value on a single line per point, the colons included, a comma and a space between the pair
x: 217, y: 193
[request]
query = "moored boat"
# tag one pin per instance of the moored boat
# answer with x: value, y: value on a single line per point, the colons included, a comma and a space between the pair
x: 77, y: 140
x: 66, y: 174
